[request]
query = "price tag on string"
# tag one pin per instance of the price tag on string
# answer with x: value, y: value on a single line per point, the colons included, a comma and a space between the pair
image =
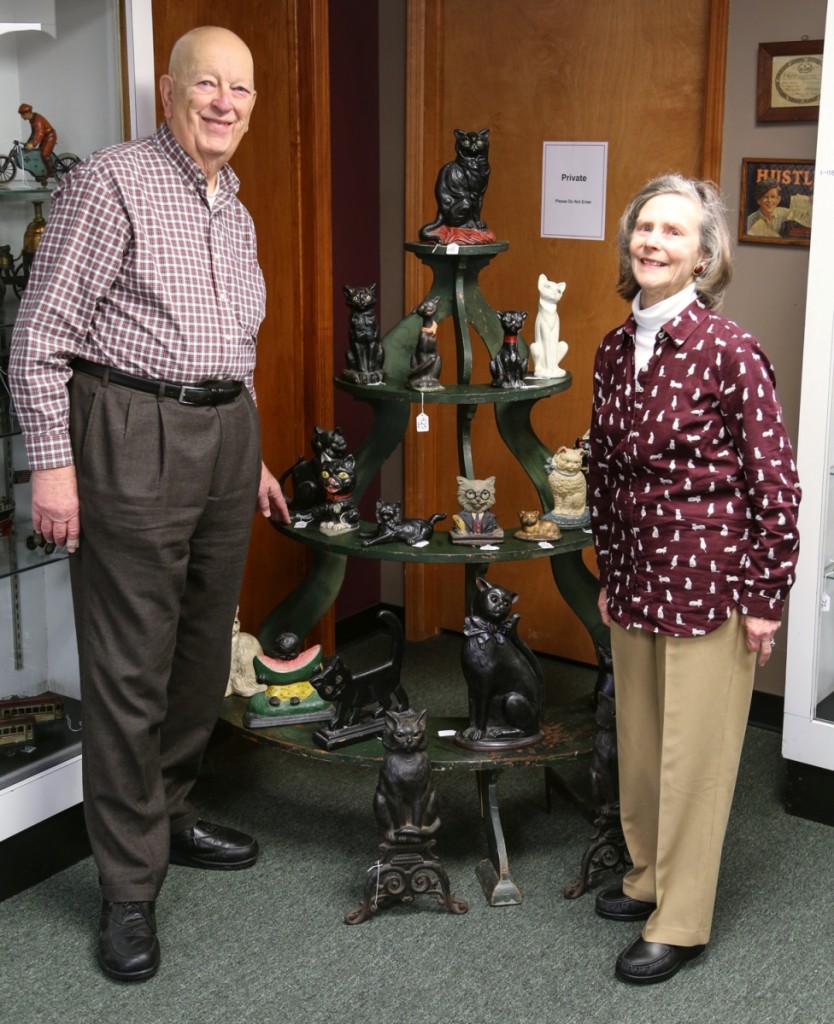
x: 422, y: 419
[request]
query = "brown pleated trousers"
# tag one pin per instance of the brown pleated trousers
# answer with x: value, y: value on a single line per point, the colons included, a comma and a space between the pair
x: 167, y: 495
x: 682, y: 707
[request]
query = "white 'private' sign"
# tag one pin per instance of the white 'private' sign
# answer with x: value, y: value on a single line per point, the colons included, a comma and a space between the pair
x: 573, y: 190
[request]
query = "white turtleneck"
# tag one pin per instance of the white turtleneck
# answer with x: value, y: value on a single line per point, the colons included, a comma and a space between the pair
x: 652, y: 318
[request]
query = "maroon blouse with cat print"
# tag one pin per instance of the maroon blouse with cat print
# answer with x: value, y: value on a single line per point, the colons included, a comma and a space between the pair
x: 692, y: 481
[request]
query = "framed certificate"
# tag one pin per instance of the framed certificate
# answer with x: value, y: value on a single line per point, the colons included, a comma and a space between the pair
x: 789, y: 80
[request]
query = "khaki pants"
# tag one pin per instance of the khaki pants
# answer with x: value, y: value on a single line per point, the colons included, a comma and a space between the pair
x: 167, y: 495
x: 682, y: 707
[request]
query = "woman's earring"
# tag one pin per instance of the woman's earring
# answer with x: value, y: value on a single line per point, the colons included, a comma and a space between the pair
x: 698, y: 269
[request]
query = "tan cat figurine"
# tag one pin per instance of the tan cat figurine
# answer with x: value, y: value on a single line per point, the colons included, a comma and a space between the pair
x: 568, y: 487
x: 534, y: 528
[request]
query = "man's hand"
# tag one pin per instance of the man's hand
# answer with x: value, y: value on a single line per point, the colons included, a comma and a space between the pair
x: 271, y: 501
x: 55, y: 506
x: 760, y: 633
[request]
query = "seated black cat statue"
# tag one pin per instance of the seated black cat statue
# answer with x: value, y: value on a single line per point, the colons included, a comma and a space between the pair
x: 365, y: 355
x: 508, y: 367
x: 459, y: 191
x: 405, y: 806
x: 392, y: 527
x: 504, y: 679
x: 426, y: 363
x: 405, y: 803
x: 307, y: 485
x: 360, y: 701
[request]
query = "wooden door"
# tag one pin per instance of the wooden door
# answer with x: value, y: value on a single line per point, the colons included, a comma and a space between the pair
x: 284, y: 167
x: 644, y: 77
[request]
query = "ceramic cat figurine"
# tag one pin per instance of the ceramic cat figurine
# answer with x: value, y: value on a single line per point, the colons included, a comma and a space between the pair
x: 568, y: 487
x: 534, y: 528
x: 459, y: 191
x: 307, y: 487
x: 426, y: 363
x: 392, y: 527
x: 508, y: 366
x: 504, y: 680
x: 365, y: 355
x: 405, y: 802
x: 475, y: 524
x: 547, y: 350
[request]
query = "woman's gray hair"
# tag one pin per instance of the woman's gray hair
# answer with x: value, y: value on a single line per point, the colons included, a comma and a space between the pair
x: 711, y: 284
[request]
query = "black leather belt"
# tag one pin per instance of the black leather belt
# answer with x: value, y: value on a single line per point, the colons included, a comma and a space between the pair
x: 207, y: 392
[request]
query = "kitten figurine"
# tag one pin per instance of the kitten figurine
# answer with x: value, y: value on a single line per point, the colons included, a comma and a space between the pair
x: 426, y: 362
x: 547, y: 350
x: 475, y: 524
x: 365, y: 355
x: 405, y: 802
x: 508, y: 366
x: 392, y: 527
x: 459, y: 191
x: 503, y: 677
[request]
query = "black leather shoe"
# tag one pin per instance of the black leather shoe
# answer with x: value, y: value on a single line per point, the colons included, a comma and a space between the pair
x: 216, y: 847
x: 128, y: 949
x: 644, y: 963
x: 616, y: 906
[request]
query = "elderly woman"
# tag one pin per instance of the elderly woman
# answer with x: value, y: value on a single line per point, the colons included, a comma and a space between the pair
x: 694, y: 496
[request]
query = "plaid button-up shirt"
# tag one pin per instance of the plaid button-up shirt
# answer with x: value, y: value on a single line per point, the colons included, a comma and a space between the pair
x: 136, y: 271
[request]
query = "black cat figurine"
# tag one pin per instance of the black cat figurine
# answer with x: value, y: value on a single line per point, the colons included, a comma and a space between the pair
x: 504, y: 679
x: 392, y: 527
x: 336, y: 513
x: 353, y: 696
x: 405, y: 803
x: 307, y: 486
x: 426, y: 363
x: 459, y: 191
x: 508, y: 367
x: 365, y: 354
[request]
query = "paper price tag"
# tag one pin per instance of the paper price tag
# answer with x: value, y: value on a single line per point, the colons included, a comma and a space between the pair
x: 452, y: 249
x: 422, y: 423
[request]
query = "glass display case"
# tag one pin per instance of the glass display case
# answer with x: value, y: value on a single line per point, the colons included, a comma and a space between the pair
x: 81, y: 44
x: 808, y: 737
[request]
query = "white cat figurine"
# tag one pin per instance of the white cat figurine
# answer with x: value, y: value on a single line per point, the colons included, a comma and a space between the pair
x: 547, y: 350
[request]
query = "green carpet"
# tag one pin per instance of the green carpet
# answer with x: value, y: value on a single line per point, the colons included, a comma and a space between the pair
x: 269, y: 945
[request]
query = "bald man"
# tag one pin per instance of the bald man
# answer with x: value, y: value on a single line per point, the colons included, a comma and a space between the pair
x: 132, y: 373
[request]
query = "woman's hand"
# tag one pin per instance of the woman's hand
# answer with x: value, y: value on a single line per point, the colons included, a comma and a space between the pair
x: 602, y: 604
x: 760, y: 634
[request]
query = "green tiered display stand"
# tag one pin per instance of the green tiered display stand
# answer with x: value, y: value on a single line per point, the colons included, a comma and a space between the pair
x: 455, y: 282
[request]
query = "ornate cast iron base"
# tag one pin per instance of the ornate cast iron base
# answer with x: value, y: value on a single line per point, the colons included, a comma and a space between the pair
x: 405, y: 870
x: 331, y: 739
x: 606, y: 851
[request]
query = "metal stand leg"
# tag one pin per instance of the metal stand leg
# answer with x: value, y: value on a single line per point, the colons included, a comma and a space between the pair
x: 494, y: 874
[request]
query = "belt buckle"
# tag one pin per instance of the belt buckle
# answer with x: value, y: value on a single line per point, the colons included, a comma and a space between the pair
x: 181, y: 397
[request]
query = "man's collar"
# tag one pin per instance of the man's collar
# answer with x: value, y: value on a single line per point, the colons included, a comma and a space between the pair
x: 192, y: 174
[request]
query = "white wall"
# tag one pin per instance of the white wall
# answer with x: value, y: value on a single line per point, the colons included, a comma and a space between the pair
x: 767, y: 296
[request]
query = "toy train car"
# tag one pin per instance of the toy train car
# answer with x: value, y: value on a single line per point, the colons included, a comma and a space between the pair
x: 45, y: 707
x: 16, y: 733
